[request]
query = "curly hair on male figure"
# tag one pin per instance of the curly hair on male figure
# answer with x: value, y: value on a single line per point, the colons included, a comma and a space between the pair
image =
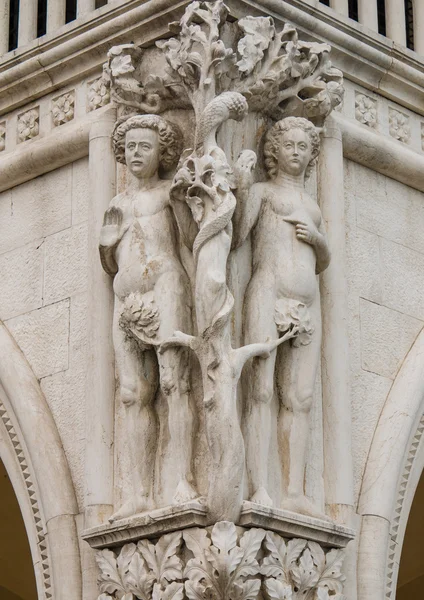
x: 170, y: 138
x: 273, y: 140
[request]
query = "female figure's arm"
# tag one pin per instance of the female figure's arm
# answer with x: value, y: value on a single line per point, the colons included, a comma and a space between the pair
x: 316, y: 237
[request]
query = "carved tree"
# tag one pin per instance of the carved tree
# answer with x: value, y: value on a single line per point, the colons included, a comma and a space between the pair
x: 267, y: 71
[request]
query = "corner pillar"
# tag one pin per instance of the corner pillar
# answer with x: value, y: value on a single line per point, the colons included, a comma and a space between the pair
x: 338, y: 467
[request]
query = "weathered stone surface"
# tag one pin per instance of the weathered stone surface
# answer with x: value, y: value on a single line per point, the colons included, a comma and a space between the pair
x: 22, y: 272
x: 80, y: 191
x: 65, y: 395
x: 36, y: 209
x: 368, y: 394
x: 363, y: 260
x: 65, y: 271
x: 43, y: 336
x: 402, y: 273
x: 386, y: 337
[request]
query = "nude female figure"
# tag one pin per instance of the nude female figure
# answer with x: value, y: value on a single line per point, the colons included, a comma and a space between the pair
x: 289, y: 248
x: 139, y: 249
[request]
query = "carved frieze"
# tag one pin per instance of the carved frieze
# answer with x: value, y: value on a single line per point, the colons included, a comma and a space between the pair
x: 365, y: 110
x: 63, y: 108
x: 29, y: 124
x: 98, y: 94
x: 399, y: 126
x: 221, y: 563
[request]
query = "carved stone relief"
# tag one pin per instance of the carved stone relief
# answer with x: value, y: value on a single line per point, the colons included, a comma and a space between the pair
x: 98, y: 93
x: 222, y: 563
x: 365, y: 110
x: 29, y: 124
x: 63, y: 108
x: 190, y: 205
x: 399, y: 127
x: 210, y: 208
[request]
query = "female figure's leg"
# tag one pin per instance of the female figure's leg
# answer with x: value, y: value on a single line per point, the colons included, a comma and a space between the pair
x: 296, y: 375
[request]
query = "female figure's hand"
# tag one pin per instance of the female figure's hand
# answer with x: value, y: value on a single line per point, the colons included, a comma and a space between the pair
x: 305, y: 232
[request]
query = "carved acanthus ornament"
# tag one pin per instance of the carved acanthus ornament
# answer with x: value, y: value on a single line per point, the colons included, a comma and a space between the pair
x: 220, y: 564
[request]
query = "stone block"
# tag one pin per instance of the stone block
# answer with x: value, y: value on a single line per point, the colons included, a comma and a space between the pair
x: 398, y: 217
x: 368, y: 392
x: 366, y: 183
x: 386, y: 337
x: 37, y: 208
x: 80, y: 191
x: 402, y: 273
x: 43, y: 337
x: 363, y: 262
x: 65, y: 395
x: 78, y: 333
x: 65, y: 271
x: 22, y: 273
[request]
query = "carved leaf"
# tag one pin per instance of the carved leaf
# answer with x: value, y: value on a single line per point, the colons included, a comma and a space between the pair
x: 250, y: 542
x: 109, y: 579
x: 195, y: 590
x: 276, y: 590
x: 295, y: 548
x: 104, y: 597
x: 305, y: 574
x: 139, y: 580
x: 318, y: 555
x: 224, y: 555
x: 322, y: 594
x: 173, y: 591
x: 124, y: 559
x: 246, y: 591
x: 162, y: 559
x: 259, y: 32
x: 332, y: 576
x: 274, y: 564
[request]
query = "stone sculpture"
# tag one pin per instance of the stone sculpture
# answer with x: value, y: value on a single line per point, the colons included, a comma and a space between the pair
x: 261, y: 70
x: 289, y: 247
x: 217, y: 70
x: 222, y: 564
x: 139, y: 249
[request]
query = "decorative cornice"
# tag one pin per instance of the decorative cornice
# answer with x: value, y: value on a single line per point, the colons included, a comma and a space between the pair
x: 39, y: 524
x: 394, y: 548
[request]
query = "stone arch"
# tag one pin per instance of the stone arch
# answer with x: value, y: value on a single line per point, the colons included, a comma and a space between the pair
x: 392, y: 472
x: 32, y: 452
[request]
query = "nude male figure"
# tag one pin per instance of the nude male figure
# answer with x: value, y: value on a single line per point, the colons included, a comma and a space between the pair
x: 139, y: 249
x: 289, y: 248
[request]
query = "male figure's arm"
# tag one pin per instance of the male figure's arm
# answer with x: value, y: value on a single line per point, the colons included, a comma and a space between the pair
x: 111, y: 234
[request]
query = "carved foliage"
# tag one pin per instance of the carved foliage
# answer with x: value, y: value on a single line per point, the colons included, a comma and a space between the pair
x: 144, y: 571
x: 63, y: 108
x: 221, y: 565
x: 399, y: 126
x: 276, y: 72
x: 98, y: 93
x: 29, y: 124
x: 365, y: 110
